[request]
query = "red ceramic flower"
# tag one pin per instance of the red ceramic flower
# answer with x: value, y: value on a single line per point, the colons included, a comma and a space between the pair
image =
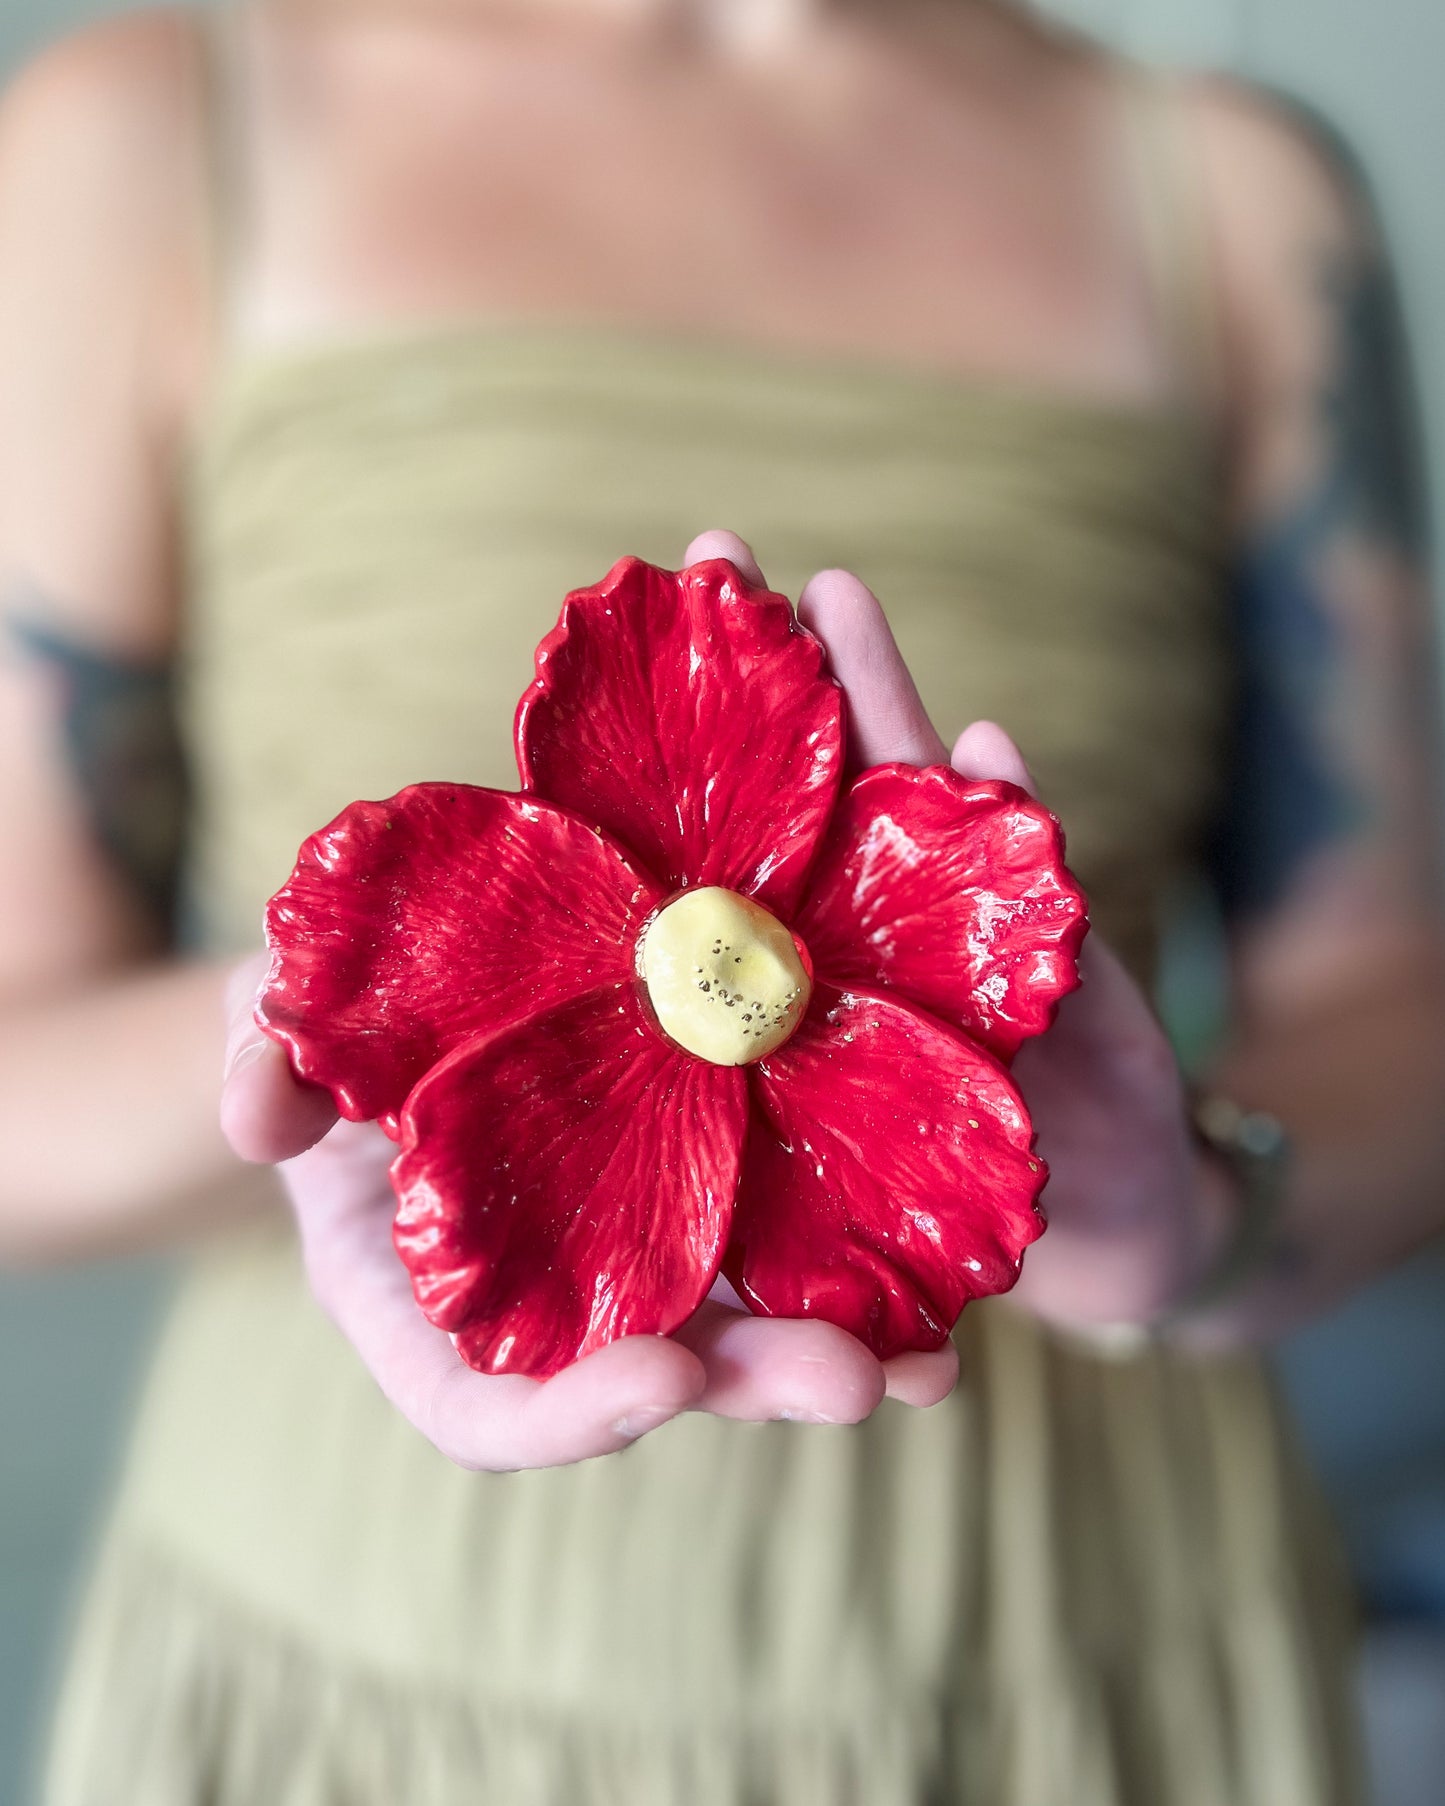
x: 681, y: 1005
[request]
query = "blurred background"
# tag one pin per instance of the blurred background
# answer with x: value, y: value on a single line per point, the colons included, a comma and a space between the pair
x: 1369, y: 1385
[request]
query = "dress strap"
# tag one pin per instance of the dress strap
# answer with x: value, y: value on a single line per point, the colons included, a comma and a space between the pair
x: 225, y: 150
x: 1173, y: 226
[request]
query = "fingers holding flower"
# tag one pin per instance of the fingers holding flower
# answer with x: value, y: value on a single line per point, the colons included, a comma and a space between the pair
x: 681, y: 1004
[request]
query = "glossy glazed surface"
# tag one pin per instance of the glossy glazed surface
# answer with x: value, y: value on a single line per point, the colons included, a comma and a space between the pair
x: 725, y: 979
x: 955, y: 894
x: 460, y: 964
x: 411, y: 926
x: 888, y: 1176
x: 690, y: 716
x: 567, y: 1181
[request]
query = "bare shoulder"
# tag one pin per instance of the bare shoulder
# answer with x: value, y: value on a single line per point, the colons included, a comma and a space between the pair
x: 122, y: 79
x: 1300, y: 264
x: 102, y: 316
x: 101, y: 128
x: 1281, y: 182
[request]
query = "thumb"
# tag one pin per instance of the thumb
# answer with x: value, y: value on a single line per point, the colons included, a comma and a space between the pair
x: 886, y: 717
x: 267, y: 1114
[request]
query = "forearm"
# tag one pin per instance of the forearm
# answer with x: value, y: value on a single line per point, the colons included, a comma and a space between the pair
x: 1143, y: 1217
x: 108, y: 1115
x: 1359, y: 1086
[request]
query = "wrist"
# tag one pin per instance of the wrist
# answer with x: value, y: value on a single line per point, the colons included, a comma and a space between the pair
x: 1243, y: 1160
x: 1213, y: 1221
x: 1212, y: 1233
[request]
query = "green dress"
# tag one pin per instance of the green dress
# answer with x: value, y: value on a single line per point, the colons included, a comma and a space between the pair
x: 1080, y: 1581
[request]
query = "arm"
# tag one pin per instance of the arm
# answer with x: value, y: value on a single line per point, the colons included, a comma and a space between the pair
x: 111, y: 1054
x: 1339, y: 982
x: 108, y: 1051
x: 1330, y: 858
x: 723, y: 1360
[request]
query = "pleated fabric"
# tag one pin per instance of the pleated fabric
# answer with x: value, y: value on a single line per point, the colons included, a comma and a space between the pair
x: 1081, y: 1581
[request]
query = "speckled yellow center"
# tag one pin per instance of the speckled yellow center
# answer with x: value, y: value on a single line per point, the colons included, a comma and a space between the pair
x: 723, y: 975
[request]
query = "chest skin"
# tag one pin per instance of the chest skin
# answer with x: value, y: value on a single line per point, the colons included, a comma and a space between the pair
x: 951, y: 192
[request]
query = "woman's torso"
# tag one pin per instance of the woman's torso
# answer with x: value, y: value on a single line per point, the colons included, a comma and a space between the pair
x: 381, y: 532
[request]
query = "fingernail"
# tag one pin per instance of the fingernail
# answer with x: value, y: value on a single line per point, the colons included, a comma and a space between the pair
x: 245, y: 1055
x: 638, y: 1423
x: 797, y: 1415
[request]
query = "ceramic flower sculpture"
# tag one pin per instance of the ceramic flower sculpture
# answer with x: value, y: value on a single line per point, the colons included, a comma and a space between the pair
x: 689, y: 1002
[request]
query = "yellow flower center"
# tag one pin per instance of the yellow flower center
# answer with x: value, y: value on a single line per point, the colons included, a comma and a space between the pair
x: 724, y: 977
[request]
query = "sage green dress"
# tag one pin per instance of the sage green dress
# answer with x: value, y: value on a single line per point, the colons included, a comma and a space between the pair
x: 1078, y: 1582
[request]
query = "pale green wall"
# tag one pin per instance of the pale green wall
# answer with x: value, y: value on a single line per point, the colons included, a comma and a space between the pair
x: 24, y: 23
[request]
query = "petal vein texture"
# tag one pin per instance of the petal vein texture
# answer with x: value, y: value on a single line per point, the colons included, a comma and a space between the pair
x: 411, y: 926
x: 690, y: 716
x: 953, y: 894
x: 567, y: 1182
x: 888, y: 1178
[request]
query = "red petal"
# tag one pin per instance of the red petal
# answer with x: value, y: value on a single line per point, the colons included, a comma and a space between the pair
x: 567, y: 1182
x: 954, y: 894
x: 409, y: 927
x: 888, y: 1175
x: 690, y: 716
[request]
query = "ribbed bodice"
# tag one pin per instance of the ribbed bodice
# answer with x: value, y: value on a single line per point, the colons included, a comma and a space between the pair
x: 382, y: 533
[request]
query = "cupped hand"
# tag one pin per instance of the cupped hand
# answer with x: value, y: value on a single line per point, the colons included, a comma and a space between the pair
x: 1132, y: 1221
x: 723, y: 1360
x: 1103, y: 1087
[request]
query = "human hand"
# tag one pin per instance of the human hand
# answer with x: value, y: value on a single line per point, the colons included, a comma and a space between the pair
x: 1133, y: 1217
x: 1103, y: 1081
x: 723, y: 1360
x: 337, y: 1177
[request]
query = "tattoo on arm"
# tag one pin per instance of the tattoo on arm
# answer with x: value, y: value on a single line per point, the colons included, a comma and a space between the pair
x: 120, y: 741
x: 1293, y: 792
